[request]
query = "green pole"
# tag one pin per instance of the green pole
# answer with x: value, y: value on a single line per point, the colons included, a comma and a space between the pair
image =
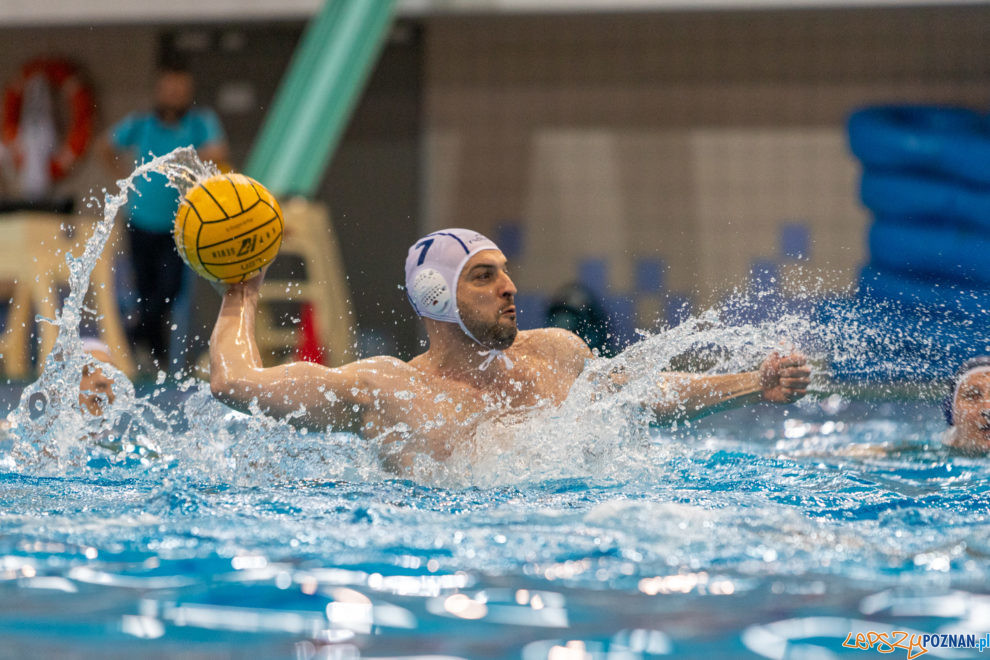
x: 318, y: 94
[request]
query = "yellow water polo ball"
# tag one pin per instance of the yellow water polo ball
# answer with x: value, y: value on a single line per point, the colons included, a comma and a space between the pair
x: 228, y: 228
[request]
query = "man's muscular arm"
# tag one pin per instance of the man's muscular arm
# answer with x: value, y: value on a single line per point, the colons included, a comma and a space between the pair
x: 331, y: 397
x: 685, y: 395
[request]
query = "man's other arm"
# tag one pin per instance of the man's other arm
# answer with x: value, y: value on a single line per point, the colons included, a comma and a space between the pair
x: 780, y: 379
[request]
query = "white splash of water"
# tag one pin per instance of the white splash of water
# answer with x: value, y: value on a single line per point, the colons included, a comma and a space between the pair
x: 50, y: 422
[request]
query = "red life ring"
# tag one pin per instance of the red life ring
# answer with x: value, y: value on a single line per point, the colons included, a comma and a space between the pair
x: 66, y: 81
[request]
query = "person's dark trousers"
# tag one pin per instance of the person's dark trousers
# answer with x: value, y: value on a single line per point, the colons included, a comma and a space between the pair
x: 158, y: 278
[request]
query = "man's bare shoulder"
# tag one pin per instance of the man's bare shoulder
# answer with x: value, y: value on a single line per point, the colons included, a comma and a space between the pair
x: 555, y: 344
x: 555, y: 337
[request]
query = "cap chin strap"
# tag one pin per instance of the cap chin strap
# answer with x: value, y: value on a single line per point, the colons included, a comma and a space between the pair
x: 490, y: 354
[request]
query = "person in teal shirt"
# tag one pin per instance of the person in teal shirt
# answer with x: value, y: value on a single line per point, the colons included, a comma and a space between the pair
x: 172, y: 123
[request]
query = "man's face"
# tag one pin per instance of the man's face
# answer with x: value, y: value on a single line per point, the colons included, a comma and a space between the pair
x: 173, y: 95
x: 486, y: 300
x: 971, y: 412
x: 95, y: 388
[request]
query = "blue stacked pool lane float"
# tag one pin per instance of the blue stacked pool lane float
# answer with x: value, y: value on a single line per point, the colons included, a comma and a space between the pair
x: 926, y: 199
x: 926, y: 181
x: 949, y: 143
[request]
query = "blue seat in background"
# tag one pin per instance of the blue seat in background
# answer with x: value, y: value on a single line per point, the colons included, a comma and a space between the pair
x: 593, y: 274
x: 649, y: 275
x: 531, y: 310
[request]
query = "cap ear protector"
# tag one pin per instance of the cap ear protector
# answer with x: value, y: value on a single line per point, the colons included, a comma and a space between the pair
x: 429, y: 292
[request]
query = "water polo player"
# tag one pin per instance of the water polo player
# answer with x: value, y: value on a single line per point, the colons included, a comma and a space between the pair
x: 95, y: 387
x: 967, y: 408
x: 478, y: 364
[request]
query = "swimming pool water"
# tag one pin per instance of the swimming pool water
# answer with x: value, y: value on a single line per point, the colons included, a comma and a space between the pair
x: 764, y: 532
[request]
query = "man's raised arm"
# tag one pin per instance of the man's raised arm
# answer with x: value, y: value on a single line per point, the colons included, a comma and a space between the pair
x: 237, y: 377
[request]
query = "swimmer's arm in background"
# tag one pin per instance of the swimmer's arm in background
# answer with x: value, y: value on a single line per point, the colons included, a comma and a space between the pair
x: 238, y: 378
x: 689, y: 396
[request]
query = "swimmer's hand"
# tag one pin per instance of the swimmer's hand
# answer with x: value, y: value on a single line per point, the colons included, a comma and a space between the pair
x: 251, y: 286
x: 784, y: 379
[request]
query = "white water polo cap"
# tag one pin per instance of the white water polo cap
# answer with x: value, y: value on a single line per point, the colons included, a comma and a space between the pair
x: 433, y: 266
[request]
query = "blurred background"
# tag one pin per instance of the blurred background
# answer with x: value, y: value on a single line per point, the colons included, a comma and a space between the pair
x: 660, y: 153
